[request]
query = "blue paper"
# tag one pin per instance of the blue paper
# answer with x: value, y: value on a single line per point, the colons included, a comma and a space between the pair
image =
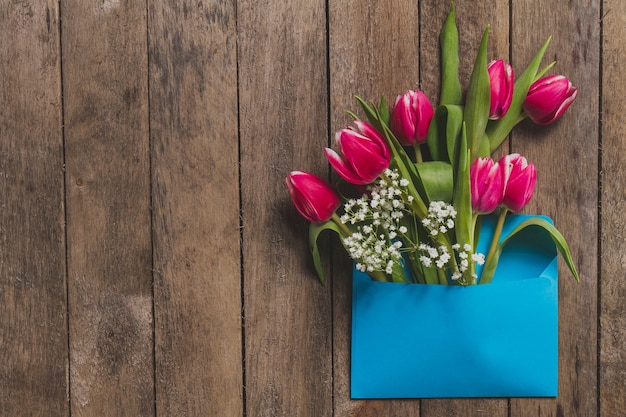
x: 434, y: 341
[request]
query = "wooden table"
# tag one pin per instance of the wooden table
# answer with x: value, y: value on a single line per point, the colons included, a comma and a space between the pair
x: 151, y: 262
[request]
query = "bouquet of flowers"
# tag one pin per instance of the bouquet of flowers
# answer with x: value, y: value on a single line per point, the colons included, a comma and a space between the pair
x: 422, y: 178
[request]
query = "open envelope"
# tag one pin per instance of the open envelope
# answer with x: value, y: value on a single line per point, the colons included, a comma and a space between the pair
x: 493, y: 340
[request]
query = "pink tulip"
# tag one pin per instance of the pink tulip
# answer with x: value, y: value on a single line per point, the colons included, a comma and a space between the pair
x: 314, y: 198
x: 501, y: 80
x: 548, y: 98
x: 410, y: 117
x: 486, y: 185
x: 365, y: 154
x: 520, y: 178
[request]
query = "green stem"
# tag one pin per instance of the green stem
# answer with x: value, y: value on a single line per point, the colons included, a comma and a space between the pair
x: 497, y: 232
x: 418, y: 153
x: 495, y: 241
x: 443, y: 279
x: 335, y: 218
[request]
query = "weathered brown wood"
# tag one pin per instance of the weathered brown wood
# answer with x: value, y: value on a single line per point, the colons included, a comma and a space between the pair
x: 612, y: 376
x: 283, y: 127
x: 108, y: 208
x: 565, y: 155
x: 373, y: 51
x: 33, y: 337
x: 472, y: 18
x: 193, y: 130
x: 178, y: 151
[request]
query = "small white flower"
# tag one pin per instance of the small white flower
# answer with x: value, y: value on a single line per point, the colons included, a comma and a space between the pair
x: 479, y: 258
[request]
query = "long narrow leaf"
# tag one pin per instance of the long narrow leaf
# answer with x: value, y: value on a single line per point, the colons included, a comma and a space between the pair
x: 555, y: 235
x: 444, y: 131
x: 462, y: 199
x: 449, y: 43
x: 498, y: 130
x: 314, y: 232
x: 476, y: 113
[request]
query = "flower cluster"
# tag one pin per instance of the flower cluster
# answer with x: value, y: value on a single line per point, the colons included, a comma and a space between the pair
x: 441, y: 257
x: 418, y: 217
x: 377, y: 217
x: 440, y: 218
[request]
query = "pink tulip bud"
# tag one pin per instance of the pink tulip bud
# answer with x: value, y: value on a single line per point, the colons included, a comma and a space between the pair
x: 548, y: 98
x: 410, y: 117
x: 365, y: 154
x: 520, y: 178
x: 314, y: 198
x: 501, y: 81
x: 486, y: 185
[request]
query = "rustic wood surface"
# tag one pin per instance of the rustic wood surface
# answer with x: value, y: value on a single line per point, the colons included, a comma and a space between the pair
x: 151, y: 262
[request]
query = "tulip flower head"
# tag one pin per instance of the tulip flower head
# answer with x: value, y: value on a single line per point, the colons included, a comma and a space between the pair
x: 486, y: 185
x: 501, y: 81
x: 519, y: 178
x: 548, y: 98
x: 364, y: 154
x: 410, y: 117
x: 314, y: 198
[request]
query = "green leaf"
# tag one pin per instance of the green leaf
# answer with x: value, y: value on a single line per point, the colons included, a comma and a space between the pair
x: 438, y: 180
x: 498, y: 130
x: 462, y: 199
x: 476, y: 112
x: 483, y: 147
x: 444, y: 132
x: 544, y: 70
x: 383, y: 110
x: 370, y: 113
x: 555, y: 235
x: 397, y: 274
x: 314, y: 232
x: 449, y: 44
x: 454, y: 125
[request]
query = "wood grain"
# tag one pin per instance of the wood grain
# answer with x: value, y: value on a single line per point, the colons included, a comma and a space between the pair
x: 108, y: 208
x: 565, y: 155
x: 182, y: 120
x: 612, y: 377
x: 33, y: 336
x: 283, y: 127
x: 193, y: 130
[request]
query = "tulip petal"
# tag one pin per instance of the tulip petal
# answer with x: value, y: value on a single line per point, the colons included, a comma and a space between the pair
x: 344, y: 170
x: 313, y: 197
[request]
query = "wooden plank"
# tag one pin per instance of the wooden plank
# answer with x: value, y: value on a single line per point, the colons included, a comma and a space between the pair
x: 612, y: 383
x: 196, y: 208
x: 108, y: 208
x: 283, y: 127
x: 565, y: 155
x: 373, y: 50
x: 33, y: 336
x: 472, y: 18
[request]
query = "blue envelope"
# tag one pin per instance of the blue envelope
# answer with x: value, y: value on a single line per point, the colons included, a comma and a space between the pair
x: 492, y: 340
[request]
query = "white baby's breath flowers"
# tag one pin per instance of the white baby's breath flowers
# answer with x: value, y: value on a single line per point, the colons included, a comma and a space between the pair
x: 377, y: 216
x: 441, y: 258
x: 440, y: 218
x: 377, y: 221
